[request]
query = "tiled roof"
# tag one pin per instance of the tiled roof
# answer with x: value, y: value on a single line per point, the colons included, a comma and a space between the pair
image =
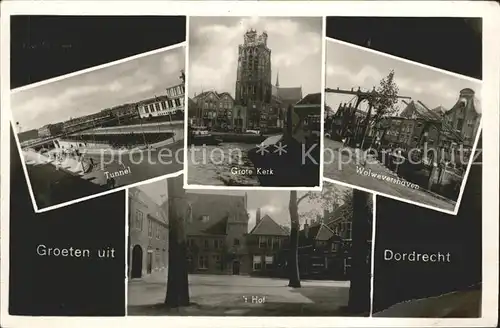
x: 311, y: 99
x: 439, y: 110
x: 268, y: 227
x: 290, y: 93
x: 317, y: 232
x: 217, y: 94
x: 419, y: 110
x: 324, y: 233
x: 220, y: 210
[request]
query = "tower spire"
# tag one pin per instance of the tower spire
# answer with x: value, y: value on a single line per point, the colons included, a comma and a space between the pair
x: 278, y: 79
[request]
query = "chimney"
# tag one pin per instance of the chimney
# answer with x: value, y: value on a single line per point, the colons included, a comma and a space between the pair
x: 306, y: 229
x: 257, y: 217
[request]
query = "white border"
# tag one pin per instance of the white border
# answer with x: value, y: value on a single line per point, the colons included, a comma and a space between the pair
x: 62, y: 77
x: 487, y: 10
x: 372, y: 250
x: 127, y: 246
x: 478, y: 133
x: 186, y: 119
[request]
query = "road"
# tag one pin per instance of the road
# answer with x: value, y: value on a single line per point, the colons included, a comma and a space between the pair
x: 337, y: 166
x: 53, y: 186
x: 241, y: 295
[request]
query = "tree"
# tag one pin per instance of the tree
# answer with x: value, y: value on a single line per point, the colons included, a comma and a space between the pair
x: 383, y: 101
x: 327, y: 197
x: 178, y: 210
x: 293, y: 261
x: 359, y: 291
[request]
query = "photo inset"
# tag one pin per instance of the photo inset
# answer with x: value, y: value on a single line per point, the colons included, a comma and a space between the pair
x: 248, y: 253
x: 398, y: 128
x: 102, y: 129
x: 255, y: 101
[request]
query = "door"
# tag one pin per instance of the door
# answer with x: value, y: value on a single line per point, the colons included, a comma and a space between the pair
x: 236, y: 267
x: 150, y: 262
x: 136, y: 262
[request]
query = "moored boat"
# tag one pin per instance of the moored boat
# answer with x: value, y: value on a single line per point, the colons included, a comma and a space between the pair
x: 199, y: 136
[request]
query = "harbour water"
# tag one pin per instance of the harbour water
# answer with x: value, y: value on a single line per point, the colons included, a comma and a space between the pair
x: 212, y: 165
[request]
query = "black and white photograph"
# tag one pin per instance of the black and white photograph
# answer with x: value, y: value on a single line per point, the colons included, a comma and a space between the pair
x: 398, y: 128
x: 254, y: 107
x: 103, y: 128
x: 248, y: 253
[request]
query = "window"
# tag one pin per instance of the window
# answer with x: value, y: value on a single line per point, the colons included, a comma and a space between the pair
x: 205, y: 218
x: 163, y: 105
x: 335, y: 247
x: 262, y: 242
x: 236, y: 242
x: 177, y: 102
x: 157, y: 107
x: 348, y: 230
x: 171, y: 104
x: 202, y: 262
x: 269, y: 262
x: 150, y: 228
x: 217, y: 243
x: 146, y: 109
x: 206, y: 244
x: 157, y: 258
x: 270, y: 242
x: 158, y: 231
x: 138, y: 220
x: 257, y: 263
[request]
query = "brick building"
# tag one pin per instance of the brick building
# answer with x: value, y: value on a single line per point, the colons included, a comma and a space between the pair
x: 266, y: 244
x: 213, y: 109
x: 148, y: 235
x: 216, y: 234
x: 171, y: 104
x: 464, y: 117
x: 50, y: 130
x: 320, y: 252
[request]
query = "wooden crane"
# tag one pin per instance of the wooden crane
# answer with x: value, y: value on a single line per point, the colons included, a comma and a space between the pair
x: 369, y: 96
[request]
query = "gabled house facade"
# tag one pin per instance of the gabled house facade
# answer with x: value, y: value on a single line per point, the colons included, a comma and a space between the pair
x: 214, y: 109
x: 320, y: 252
x: 266, y: 243
x: 216, y: 234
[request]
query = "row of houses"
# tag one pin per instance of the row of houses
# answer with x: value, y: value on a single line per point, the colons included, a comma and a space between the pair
x: 415, y: 125
x: 219, y: 241
x: 170, y: 104
x: 219, y: 110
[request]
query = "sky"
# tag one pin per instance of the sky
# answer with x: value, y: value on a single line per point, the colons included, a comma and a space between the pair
x: 349, y: 67
x: 271, y: 202
x: 90, y: 92
x: 295, y: 44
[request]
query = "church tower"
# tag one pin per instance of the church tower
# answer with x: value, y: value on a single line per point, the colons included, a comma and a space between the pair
x: 253, y: 80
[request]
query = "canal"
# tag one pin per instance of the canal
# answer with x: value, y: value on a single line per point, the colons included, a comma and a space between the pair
x: 216, y: 165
